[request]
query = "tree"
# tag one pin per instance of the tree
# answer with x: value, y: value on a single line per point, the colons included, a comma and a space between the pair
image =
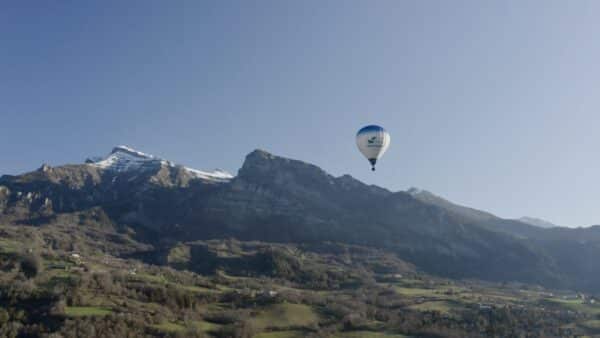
x: 31, y: 264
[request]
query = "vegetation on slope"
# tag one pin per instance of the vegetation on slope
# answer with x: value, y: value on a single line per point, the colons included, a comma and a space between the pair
x: 254, y: 289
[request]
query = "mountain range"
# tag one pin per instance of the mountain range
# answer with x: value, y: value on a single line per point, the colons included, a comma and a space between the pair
x: 276, y: 199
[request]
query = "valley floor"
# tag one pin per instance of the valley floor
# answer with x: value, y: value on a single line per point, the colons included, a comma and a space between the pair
x: 50, y: 287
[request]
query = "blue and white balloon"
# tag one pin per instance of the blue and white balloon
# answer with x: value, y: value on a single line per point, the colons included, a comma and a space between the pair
x: 372, y: 141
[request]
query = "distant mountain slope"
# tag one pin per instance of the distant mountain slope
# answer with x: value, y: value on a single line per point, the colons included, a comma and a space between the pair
x: 466, y: 212
x: 537, y: 222
x: 572, y: 250
x: 478, y: 217
x: 284, y: 200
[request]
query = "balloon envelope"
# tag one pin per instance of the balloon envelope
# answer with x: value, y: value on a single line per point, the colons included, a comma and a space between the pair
x: 372, y: 141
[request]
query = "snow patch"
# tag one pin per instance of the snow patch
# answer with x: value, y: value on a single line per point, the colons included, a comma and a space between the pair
x: 131, y: 151
x: 216, y: 174
x: 123, y: 159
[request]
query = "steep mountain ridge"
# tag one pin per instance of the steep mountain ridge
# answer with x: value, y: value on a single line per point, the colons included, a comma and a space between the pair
x: 485, y: 219
x: 537, y: 222
x: 470, y: 213
x: 283, y: 200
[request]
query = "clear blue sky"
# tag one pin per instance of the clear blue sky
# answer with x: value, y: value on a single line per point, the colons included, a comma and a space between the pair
x: 493, y: 104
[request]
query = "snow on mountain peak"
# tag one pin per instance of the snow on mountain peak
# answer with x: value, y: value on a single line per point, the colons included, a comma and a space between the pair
x: 123, y: 158
x: 131, y: 151
x: 216, y: 174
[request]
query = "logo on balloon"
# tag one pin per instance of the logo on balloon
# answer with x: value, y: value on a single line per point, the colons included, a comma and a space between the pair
x: 373, y: 142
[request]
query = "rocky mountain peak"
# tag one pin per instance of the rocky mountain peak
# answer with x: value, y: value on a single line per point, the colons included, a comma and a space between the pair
x: 262, y: 164
x: 45, y: 168
x: 260, y: 154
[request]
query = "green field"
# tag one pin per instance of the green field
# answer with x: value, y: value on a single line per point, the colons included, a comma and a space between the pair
x: 8, y: 246
x: 194, y: 288
x: 169, y: 327
x: 441, y: 306
x: 281, y: 334
x: 86, y: 311
x: 368, y: 334
x: 415, y: 292
x: 592, y: 324
x: 180, y: 254
x: 281, y: 316
x: 576, y: 305
x: 207, y: 326
x: 160, y: 279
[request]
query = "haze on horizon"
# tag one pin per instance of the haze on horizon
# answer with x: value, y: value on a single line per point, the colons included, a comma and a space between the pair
x: 492, y: 105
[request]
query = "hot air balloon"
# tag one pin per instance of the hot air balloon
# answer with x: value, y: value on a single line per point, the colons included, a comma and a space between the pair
x: 372, y: 141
